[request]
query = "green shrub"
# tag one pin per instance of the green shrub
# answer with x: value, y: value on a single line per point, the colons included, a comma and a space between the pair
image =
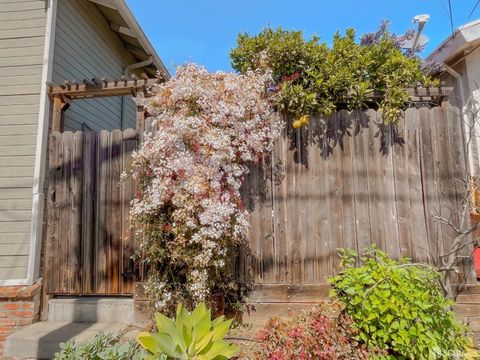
x: 321, y: 333
x: 102, y: 347
x: 315, y: 79
x: 399, y: 307
x: 190, y: 336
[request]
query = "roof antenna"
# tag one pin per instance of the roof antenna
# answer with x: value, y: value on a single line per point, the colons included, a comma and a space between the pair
x: 419, y: 40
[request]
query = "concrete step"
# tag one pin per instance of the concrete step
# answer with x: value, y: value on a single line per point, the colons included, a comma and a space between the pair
x: 41, y: 340
x: 91, y: 310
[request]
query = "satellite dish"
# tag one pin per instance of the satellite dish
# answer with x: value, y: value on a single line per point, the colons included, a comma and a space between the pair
x: 408, y: 44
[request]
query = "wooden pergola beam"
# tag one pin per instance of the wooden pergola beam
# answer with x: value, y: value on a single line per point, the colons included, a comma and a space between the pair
x: 422, y: 94
x: 101, y: 88
x: 61, y: 95
x: 429, y: 94
x: 430, y: 91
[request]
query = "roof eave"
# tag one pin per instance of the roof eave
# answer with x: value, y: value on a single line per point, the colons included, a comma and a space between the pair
x: 132, y: 23
x: 464, y: 38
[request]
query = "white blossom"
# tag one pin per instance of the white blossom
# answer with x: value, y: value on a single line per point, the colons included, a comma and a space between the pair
x: 207, y: 129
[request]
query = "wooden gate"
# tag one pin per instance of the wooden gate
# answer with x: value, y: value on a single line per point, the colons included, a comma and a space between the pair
x: 89, y: 244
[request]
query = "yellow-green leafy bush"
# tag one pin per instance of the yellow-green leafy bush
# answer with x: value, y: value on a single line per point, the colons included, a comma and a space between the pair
x: 399, y: 306
x: 315, y: 79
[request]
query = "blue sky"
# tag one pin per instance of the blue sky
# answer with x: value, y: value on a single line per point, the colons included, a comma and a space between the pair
x: 204, y: 31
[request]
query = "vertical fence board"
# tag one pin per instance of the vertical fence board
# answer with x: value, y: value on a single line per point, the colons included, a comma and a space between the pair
x: 420, y: 243
x: 420, y: 247
x: 444, y: 185
x: 88, y: 211
x: 312, y: 205
x: 115, y: 235
x: 255, y: 235
x: 334, y: 186
x: 347, y: 178
x: 101, y: 214
x: 375, y: 191
x: 293, y: 162
x: 301, y: 198
x: 267, y: 240
x: 390, y: 215
x: 439, y: 209
x: 402, y: 196
x: 318, y: 167
x: 360, y: 175
x: 460, y: 182
x: 280, y: 206
x: 428, y: 182
x: 53, y: 213
x: 76, y: 189
x: 127, y: 194
x: 65, y: 251
x: 243, y: 257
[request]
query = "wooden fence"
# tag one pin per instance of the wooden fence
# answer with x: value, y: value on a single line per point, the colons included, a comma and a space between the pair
x: 349, y: 184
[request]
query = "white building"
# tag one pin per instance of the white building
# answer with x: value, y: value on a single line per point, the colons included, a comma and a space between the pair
x: 460, y: 56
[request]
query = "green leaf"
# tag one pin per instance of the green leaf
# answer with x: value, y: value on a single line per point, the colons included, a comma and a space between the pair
x: 197, y: 314
x: 221, y: 329
x: 203, y: 343
x: 220, y: 348
x: 149, y: 342
x: 218, y: 320
x: 349, y: 291
x: 203, y: 327
x: 166, y: 325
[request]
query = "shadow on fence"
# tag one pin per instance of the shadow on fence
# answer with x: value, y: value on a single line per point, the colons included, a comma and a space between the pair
x: 349, y: 182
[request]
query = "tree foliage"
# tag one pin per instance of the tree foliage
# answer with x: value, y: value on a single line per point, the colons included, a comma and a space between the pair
x: 315, y: 79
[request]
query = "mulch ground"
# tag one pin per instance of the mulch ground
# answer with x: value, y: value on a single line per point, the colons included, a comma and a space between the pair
x: 245, y: 337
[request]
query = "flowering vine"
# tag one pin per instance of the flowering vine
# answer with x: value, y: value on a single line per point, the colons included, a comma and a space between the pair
x: 206, y: 129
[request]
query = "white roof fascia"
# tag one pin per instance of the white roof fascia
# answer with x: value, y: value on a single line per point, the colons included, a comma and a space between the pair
x: 465, y: 37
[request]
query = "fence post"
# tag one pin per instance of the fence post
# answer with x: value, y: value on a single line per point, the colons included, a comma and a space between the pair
x: 60, y: 104
x: 140, y: 121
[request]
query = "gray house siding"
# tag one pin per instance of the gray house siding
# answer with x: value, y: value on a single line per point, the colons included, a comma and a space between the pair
x: 84, y: 47
x: 22, y: 29
x: 84, y: 50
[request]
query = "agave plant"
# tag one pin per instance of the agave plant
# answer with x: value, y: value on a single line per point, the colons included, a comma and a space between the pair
x: 191, y: 336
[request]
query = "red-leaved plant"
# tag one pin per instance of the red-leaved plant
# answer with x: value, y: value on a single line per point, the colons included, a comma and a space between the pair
x: 321, y: 333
